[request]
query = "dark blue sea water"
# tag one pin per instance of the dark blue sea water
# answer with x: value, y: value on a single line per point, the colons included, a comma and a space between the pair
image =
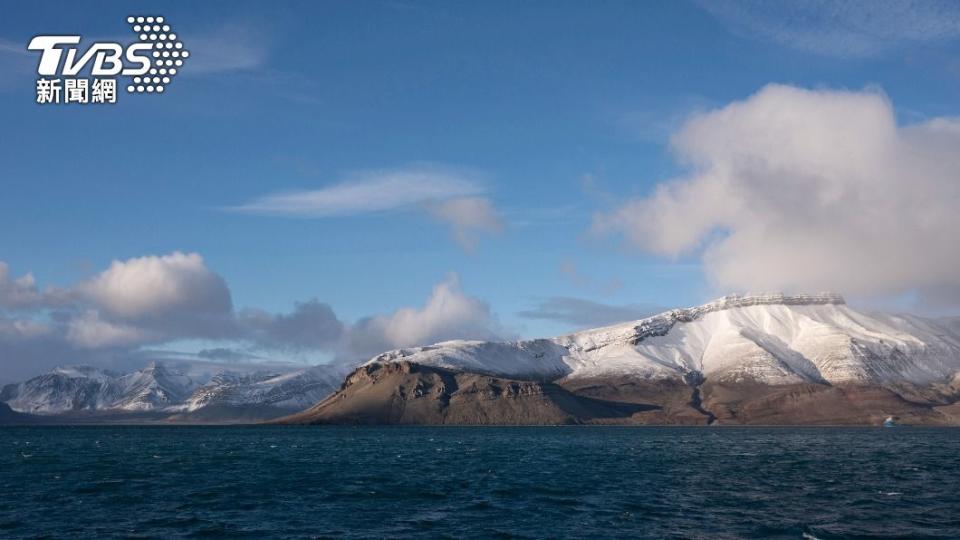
x: 585, y: 482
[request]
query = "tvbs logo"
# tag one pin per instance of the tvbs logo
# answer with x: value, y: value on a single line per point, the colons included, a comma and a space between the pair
x: 151, y: 63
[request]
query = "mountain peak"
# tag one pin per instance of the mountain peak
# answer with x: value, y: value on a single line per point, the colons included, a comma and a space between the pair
x: 770, y: 338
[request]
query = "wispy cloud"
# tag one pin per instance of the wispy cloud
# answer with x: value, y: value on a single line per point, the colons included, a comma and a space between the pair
x: 654, y: 119
x: 586, y: 313
x: 370, y: 191
x: 233, y: 46
x: 12, y: 47
x: 17, y: 64
x: 468, y: 217
x: 844, y: 29
x: 572, y: 272
x: 451, y: 197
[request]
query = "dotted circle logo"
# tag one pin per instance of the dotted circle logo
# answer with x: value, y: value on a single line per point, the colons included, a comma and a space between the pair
x: 168, y: 54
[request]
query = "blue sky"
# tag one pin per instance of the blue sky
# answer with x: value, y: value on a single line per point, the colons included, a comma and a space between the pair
x: 552, y: 112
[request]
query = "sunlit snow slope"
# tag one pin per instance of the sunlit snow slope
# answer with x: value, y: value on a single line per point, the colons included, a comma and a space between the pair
x: 771, y: 339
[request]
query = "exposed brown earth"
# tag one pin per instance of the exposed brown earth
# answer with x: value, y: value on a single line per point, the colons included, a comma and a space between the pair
x: 673, y: 399
x: 409, y: 393
x: 814, y: 404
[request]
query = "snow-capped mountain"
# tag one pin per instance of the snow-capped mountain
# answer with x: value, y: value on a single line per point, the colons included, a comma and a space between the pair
x: 155, y: 387
x: 757, y: 359
x: 771, y: 339
x: 291, y: 390
x: 740, y: 359
x: 164, y: 389
x: 68, y: 388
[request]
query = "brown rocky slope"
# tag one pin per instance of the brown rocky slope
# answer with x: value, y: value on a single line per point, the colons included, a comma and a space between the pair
x: 409, y: 393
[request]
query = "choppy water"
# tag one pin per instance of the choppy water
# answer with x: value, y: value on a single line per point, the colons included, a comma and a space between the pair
x: 589, y: 482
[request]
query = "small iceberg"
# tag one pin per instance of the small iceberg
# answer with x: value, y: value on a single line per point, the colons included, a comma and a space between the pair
x: 889, y: 422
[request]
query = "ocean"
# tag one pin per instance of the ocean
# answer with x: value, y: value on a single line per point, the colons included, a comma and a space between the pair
x: 481, y: 482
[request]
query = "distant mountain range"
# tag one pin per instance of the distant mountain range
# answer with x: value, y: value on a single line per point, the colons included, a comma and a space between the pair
x: 161, y: 392
x: 761, y: 359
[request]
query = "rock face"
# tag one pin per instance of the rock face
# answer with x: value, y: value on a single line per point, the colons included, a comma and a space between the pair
x: 762, y: 359
x: 408, y: 393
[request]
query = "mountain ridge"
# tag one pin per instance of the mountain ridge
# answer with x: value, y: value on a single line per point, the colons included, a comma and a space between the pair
x: 739, y: 359
x: 85, y: 393
x: 768, y: 358
x: 793, y: 334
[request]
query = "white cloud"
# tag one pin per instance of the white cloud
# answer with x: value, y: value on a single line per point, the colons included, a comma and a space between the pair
x: 370, y: 191
x: 797, y: 189
x: 12, y: 47
x: 23, y: 329
x: 468, y: 217
x: 18, y: 65
x: 22, y: 293
x: 158, y: 285
x: 89, y: 331
x: 233, y: 46
x: 840, y: 28
x: 450, y: 196
x: 152, y: 300
x: 136, y: 302
x: 17, y: 292
x: 448, y: 314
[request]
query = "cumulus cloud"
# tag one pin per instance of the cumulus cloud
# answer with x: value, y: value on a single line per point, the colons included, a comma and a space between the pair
x: 151, y: 300
x: 17, y: 292
x: 158, y: 285
x: 582, y: 313
x: 167, y: 295
x: 23, y: 329
x: 133, y: 303
x: 89, y: 331
x: 840, y: 28
x: 802, y: 190
x: 312, y: 324
x: 468, y: 217
x: 22, y: 293
x: 448, y: 314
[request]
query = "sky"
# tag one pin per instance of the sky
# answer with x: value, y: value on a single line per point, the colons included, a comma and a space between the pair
x: 323, y: 181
